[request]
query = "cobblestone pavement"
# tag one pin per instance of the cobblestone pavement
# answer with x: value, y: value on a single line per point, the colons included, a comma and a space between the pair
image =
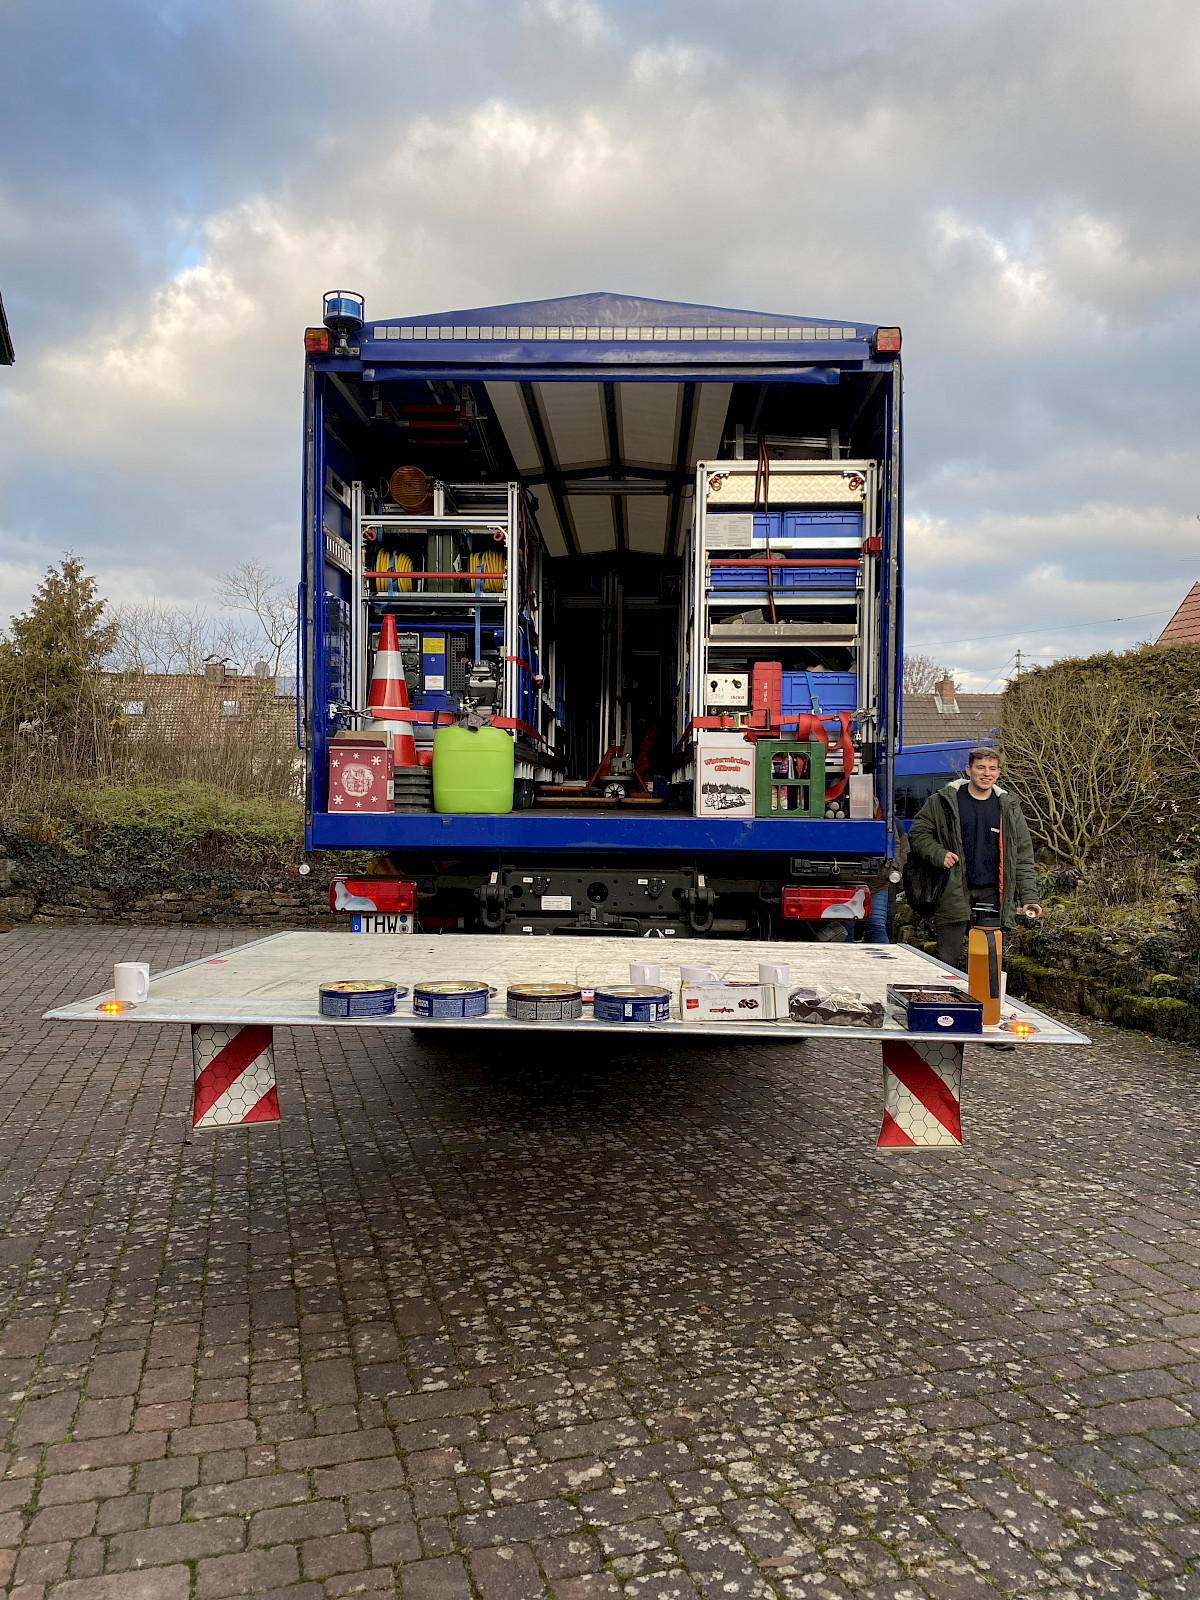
x: 588, y: 1322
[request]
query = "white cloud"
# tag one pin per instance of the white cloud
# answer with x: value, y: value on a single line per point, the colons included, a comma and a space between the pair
x: 1014, y: 183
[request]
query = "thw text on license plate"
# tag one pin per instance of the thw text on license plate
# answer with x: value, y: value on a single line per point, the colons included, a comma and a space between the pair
x: 368, y: 922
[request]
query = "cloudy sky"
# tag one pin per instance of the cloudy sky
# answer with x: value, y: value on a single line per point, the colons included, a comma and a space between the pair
x: 1013, y: 181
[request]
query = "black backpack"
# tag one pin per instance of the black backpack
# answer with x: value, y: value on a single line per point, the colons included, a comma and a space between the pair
x: 924, y: 885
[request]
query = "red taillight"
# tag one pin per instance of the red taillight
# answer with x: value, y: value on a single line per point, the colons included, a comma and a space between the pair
x: 886, y: 342
x: 316, y: 341
x: 848, y: 902
x: 385, y: 895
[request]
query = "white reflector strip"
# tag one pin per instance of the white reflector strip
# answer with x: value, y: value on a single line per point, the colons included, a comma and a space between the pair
x: 705, y: 335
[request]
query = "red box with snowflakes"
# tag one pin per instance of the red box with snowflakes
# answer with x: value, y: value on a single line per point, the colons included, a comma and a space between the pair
x: 360, y: 776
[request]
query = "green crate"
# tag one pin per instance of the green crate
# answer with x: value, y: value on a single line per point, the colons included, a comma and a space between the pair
x: 795, y: 796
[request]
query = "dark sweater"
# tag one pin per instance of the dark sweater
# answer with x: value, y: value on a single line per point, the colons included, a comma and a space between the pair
x: 980, y: 822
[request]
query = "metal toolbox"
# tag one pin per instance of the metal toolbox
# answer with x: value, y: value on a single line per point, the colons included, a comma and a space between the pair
x: 935, y: 1008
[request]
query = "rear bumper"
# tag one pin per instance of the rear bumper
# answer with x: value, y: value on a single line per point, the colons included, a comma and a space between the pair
x: 534, y: 832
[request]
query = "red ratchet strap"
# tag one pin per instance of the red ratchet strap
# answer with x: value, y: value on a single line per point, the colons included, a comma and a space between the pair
x: 496, y: 722
x: 811, y: 727
x: 521, y: 662
x: 762, y: 486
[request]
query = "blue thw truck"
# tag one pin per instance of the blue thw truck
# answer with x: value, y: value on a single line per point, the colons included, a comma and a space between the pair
x: 660, y: 545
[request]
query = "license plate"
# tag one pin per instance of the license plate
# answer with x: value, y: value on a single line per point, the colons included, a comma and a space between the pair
x: 366, y: 922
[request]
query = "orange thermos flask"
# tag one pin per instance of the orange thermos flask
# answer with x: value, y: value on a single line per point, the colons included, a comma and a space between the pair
x: 985, y: 949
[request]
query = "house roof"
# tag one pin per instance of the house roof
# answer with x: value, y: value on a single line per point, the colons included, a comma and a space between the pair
x: 171, y: 702
x: 1184, y: 626
x: 977, y: 718
x: 7, y: 354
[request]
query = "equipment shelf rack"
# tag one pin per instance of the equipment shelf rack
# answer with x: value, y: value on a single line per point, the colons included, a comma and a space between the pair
x: 454, y: 607
x: 711, y: 635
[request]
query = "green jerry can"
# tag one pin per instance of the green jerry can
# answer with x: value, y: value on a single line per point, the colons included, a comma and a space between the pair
x: 472, y: 769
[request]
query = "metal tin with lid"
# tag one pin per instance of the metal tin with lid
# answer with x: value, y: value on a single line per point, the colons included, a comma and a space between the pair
x: 544, y: 1002
x: 451, y: 997
x: 359, y: 997
x: 632, y: 1002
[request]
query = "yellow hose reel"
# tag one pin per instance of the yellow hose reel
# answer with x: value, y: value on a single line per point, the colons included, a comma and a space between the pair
x: 490, y: 561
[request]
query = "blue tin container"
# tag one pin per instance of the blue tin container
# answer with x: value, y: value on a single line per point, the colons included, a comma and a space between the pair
x: 358, y: 997
x: 933, y: 1008
x: 632, y: 1002
x: 454, y: 998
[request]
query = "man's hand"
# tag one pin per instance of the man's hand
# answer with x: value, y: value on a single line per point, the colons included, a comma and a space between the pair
x: 951, y: 859
x: 1032, y: 910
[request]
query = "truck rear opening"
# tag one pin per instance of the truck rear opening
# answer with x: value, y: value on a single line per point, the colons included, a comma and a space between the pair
x: 632, y: 533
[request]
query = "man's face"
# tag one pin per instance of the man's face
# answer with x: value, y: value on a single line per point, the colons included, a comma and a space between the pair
x: 983, y: 774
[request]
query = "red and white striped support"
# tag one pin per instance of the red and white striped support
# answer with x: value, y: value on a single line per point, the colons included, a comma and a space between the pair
x: 921, y: 1088
x: 235, y: 1075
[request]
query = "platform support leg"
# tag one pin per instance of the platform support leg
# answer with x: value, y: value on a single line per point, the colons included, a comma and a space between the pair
x: 921, y: 1088
x: 234, y: 1075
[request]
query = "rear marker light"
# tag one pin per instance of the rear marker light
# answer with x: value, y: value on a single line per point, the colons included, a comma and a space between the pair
x: 886, y: 342
x: 387, y: 896
x: 844, y: 903
x: 316, y: 341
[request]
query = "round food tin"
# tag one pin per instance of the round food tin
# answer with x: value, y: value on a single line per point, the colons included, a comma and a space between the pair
x: 453, y: 997
x: 632, y: 1002
x: 545, y: 1002
x: 359, y: 997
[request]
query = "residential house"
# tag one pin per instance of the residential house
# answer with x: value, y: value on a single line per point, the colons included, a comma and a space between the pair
x: 1184, y: 626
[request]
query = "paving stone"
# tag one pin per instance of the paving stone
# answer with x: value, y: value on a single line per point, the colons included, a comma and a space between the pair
x: 442, y: 1579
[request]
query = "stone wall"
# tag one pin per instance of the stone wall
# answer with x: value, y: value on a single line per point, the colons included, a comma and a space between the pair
x: 82, y: 892
x: 1129, y: 976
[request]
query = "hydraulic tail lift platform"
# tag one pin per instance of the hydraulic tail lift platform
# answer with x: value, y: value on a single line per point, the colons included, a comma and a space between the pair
x: 234, y: 999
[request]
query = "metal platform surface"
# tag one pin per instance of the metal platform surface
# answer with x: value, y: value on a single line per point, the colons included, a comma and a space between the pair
x: 275, y: 981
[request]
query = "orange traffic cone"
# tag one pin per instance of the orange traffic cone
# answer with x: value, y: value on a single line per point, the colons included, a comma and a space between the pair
x: 388, y: 698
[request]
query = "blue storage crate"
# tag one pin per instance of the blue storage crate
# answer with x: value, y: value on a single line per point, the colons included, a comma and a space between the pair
x: 821, y: 525
x: 755, y: 578
x: 835, y: 523
x: 837, y: 691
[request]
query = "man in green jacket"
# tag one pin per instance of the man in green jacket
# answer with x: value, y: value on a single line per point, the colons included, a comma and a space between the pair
x: 979, y: 832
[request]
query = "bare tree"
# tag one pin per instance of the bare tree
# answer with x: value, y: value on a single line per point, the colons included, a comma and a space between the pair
x: 922, y: 674
x: 157, y: 638
x: 1076, y: 749
x: 252, y: 588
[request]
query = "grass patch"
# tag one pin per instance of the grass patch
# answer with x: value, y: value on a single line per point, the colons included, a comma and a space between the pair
x: 171, y: 827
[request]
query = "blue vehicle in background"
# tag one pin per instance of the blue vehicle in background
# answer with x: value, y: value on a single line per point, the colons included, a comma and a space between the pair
x: 629, y: 532
x: 923, y: 769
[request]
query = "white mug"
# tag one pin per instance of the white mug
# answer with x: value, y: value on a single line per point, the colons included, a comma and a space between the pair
x: 645, y: 972
x: 131, y: 981
x: 774, y: 972
x: 691, y: 974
